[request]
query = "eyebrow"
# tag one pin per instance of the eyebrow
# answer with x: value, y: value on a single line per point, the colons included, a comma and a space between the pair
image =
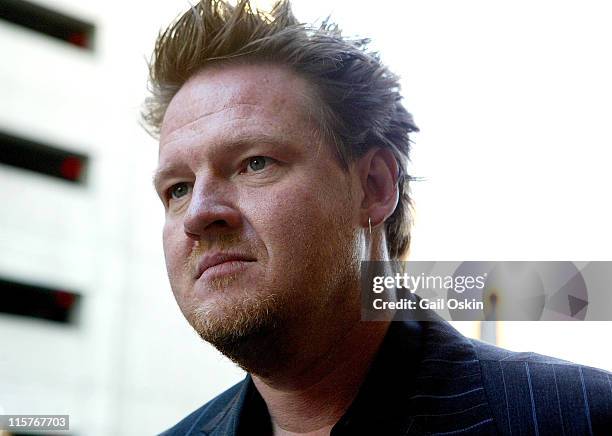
x: 235, y: 143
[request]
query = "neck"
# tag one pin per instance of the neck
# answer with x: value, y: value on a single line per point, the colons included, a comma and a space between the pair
x: 322, y: 378
x: 312, y: 399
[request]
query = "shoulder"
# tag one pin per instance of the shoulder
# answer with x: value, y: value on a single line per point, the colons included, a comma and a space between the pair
x: 497, y: 356
x: 545, y: 391
x: 212, y: 411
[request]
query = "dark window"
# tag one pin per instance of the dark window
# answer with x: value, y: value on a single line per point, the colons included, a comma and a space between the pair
x: 42, y: 158
x: 37, y: 301
x: 49, y: 22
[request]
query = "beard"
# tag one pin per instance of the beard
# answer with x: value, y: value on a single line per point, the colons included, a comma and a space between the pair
x: 243, y: 328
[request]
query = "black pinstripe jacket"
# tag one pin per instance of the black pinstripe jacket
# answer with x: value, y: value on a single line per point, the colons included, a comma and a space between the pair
x: 428, y: 379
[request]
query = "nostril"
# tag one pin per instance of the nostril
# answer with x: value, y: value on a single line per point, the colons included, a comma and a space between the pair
x: 192, y: 235
x: 207, y: 214
x: 218, y: 223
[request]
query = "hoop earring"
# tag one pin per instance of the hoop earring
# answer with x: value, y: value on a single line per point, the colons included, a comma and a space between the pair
x: 370, y: 226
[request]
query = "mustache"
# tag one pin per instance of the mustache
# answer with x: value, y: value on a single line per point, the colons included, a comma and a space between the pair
x: 222, y: 243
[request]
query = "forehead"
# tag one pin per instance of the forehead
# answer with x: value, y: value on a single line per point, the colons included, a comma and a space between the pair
x: 229, y: 99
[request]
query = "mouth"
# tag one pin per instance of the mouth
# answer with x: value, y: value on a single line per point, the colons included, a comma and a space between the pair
x: 222, y: 263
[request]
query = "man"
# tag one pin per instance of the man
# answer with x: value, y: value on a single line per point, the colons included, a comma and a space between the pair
x: 282, y: 166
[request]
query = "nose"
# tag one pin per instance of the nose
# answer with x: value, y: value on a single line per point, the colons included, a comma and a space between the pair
x: 210, y: 211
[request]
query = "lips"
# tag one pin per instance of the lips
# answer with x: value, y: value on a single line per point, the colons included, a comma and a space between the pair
x: 213, y: 259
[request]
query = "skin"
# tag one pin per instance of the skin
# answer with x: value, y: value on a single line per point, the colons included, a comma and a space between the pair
x: 242, y: 170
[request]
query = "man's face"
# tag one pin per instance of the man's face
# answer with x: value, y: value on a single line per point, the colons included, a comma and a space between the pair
x: 261, y: 229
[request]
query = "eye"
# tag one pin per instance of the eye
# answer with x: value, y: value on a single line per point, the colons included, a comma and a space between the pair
x: 179, y: 190
x: 257, y: 163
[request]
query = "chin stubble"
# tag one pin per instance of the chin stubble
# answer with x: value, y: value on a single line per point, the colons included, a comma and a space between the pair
x: 245, y: 329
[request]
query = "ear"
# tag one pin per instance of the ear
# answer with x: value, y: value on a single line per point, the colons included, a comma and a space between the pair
x: 378, y: 174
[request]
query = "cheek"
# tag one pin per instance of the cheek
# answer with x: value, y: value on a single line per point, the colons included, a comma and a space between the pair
x: 296, y: 218
x: 286, y: 208
x: 174, y: 251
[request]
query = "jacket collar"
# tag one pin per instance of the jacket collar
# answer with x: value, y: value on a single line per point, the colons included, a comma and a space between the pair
x: 419, y: 367
x: 227, y: 420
